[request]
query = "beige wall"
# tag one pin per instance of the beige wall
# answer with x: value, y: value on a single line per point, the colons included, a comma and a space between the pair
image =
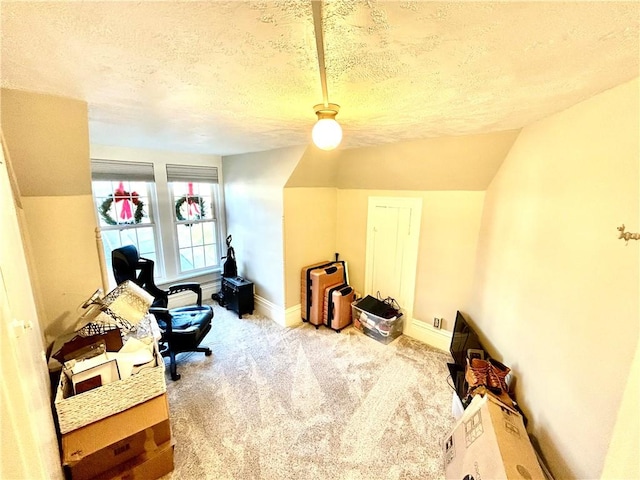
x: 622, y: 459
x: 309, y: 233
x: 253, y: 189
x: 29, y: 442
x: 47, y: 138
x: 447, y: 163
x: 557, y: 291
x: 65, y: 259
x: 316, y: 168
x: 448, y: 235
x: 449, y: 174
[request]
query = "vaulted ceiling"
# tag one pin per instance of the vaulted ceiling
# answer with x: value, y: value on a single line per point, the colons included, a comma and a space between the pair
x: 233, y: 77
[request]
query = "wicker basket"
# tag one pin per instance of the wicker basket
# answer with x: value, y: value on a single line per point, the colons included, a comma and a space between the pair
x: 79, y: 410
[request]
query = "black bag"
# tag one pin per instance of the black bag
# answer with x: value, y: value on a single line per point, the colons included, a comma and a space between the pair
x: 230, y: 269
x: 387, y: 308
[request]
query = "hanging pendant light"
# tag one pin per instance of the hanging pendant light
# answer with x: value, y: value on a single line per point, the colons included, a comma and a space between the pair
x: 327, y: 132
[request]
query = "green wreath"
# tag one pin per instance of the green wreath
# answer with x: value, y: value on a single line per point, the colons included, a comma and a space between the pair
x: 189, y: 199
x: 106, y: 206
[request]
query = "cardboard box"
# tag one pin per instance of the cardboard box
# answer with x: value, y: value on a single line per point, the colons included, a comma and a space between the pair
x: 146, y: 441
x: 148, y: 466
x: 106, y: 443
x: 490, y: 441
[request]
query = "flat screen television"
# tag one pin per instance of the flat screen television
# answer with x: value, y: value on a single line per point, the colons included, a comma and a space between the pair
x: 463, y: 338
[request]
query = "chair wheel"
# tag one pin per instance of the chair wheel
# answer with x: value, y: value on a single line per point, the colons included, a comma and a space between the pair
x: 175, y: 377
x: 208, y: 353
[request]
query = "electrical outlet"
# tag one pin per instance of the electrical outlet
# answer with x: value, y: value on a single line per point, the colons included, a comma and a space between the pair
x: 436, y: 322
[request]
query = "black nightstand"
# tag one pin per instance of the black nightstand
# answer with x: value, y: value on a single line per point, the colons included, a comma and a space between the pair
x: 238, y: 295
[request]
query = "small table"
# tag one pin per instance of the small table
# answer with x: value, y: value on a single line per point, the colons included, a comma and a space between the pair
x: 238, y: 295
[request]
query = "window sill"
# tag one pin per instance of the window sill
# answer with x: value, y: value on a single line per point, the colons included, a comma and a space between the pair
x: 200, y: 277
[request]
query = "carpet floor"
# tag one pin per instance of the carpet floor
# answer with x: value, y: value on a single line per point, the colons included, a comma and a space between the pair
x: 300, y: 403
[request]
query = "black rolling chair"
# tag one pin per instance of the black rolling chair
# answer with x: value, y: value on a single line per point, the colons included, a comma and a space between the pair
x: 183, y: 328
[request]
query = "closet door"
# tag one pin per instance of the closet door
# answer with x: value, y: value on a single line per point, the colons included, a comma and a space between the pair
x: 393, y: 234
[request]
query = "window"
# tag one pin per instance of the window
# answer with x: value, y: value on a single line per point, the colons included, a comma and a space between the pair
x: 175, y: 222
x: 194, y: 191
x: 123, y: 193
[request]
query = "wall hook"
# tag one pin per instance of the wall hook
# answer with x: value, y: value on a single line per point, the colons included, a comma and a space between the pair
x: 627, y: 235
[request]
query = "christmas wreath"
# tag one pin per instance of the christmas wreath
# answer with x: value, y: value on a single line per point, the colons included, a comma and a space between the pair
x: 195, y: 207
x: 126, y: 216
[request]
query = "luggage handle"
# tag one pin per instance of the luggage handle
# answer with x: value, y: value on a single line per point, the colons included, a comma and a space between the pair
x: 346, y: 291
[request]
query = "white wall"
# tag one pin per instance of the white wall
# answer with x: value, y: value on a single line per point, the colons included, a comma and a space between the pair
x: 556, y: 293
x: 253, y: 188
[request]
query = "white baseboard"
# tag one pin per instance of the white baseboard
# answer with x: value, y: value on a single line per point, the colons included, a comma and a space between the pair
x: 422, y: 331
x: 268, y: 309
x: 293, y: 316
x: 287, y: 318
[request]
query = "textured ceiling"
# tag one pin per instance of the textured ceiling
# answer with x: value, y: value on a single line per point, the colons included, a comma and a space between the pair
x: 234, y: 77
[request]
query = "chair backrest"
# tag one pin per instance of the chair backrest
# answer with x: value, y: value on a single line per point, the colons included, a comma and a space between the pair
x: 125, y: 264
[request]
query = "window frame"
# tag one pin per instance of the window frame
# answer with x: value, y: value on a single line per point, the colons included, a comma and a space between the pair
x: 161, y: 207
x: 152, y: 224
x: 213, y: 194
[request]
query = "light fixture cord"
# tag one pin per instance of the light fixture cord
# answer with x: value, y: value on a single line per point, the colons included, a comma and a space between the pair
x: 316, y: 6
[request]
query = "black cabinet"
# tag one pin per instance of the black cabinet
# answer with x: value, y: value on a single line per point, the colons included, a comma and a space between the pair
x: 238, y: 295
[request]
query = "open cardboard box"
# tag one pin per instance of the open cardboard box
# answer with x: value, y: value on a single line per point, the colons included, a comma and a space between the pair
x: 77, y: 411
x: 109, y: 442
x: 490, y: 441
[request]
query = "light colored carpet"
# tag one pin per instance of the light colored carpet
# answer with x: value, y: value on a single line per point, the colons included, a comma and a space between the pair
x: 300, y: 403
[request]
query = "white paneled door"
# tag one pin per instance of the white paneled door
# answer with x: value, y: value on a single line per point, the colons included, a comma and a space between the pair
x: 393, y: 234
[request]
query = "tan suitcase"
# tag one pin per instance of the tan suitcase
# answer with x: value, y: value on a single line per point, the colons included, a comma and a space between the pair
x: 321, y: 278
x: 327, y: 299
x: 305, y: 288
x: 338, y: 302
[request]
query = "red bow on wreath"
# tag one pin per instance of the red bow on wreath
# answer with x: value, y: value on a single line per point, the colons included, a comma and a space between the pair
x: 193, y: 209
x: 121, y: 195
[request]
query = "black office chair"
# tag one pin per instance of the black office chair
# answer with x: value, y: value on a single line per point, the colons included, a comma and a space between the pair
x: 183, y: 328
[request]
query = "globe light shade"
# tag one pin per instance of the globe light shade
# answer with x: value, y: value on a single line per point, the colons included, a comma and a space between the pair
x: 327, y: 134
